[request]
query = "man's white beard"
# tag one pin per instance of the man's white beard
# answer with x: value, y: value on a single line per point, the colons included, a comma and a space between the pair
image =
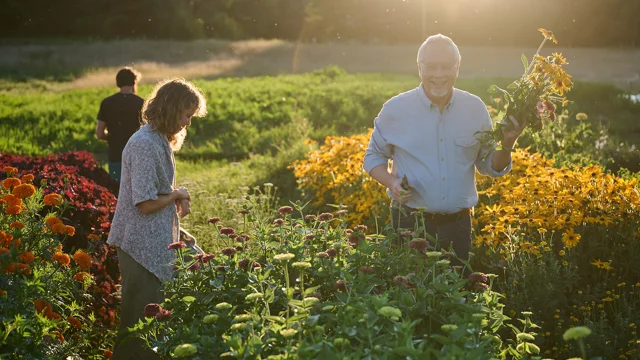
x: 442, y: 93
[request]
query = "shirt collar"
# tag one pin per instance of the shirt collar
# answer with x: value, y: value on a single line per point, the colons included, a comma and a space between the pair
x: 425, y: 99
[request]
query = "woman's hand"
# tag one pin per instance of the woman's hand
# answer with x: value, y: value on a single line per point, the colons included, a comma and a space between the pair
x: 181, y: 193
x: 183, y: 207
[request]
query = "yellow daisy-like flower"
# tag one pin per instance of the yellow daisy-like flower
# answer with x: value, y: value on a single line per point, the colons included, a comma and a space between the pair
x: 570, y: 238
x: 548, y: 34
x: 558, y: 59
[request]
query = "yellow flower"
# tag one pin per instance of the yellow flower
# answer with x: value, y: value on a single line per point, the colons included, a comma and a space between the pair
x: 559, y: 59
x: 570, y: 239
x: 548, y: 34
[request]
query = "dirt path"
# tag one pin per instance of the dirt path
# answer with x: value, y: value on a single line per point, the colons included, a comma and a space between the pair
x: 214, y: 58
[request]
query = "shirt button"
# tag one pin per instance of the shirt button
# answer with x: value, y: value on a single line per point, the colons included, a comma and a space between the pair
x: 442, y: 179
x: 440, y: 139
x: 443, y: 198
x: 442, y: 159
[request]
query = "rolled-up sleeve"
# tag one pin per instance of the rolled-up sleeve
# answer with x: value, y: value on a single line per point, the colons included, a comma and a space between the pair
x: 379, y: 150
x: 485, y: 157
x: 143, y: 166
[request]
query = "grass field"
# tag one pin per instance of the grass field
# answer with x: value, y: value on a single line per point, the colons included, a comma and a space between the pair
x: 86, y: 65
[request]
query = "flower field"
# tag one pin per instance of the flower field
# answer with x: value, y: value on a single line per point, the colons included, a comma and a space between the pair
x: 300, y: 259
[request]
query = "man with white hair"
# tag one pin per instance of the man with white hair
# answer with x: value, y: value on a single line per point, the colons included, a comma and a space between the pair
x: 430, y: 133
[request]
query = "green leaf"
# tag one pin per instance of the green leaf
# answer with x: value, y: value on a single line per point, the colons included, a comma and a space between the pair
x: 525, y: 62
x: 493, y: 89
x: 188, y: 299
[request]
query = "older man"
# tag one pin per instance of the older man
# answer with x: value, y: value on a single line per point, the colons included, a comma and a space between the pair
x: 430, y: 134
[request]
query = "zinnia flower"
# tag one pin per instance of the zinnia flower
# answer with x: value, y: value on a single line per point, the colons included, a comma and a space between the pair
x: 332, y: 252
x: 52, y: 200
x: 176, y: 245
x: 229, y: 251
x: 390, y: 312
x: 340, y: 285
x: 325, y: 217
x: 284, y: 210
x: 418, y: 244
x: 227, y: 231
x: 301, y: 265
x: 214, y: 220
x: 309, y: 218
x: 284, y: 257
x: 151, y: 310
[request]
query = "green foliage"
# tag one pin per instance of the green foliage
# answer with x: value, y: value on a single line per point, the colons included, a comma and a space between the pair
x: 306, y: 287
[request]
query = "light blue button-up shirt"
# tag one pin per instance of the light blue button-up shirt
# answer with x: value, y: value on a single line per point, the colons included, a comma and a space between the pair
x: 439, y: 152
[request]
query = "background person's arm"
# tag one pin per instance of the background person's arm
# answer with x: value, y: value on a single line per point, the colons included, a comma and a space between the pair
x: 101, y: 130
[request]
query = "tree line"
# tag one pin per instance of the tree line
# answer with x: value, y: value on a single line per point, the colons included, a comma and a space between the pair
x: 610, y: 23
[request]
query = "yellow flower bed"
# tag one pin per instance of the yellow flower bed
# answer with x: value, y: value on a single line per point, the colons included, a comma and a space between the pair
x: 522, y: 210
x: 333, y: 174
x: 534, y: 199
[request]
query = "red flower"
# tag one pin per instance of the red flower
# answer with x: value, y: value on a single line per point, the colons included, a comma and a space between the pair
x: 176, y: 245
x: 214, y: 220
x: 418, y: 244
x: 325, y: 217
x: 227, y: 231
x: 284, y: 210
x: 229, y: 251
x: 340, y: 285
x: 151, y: 310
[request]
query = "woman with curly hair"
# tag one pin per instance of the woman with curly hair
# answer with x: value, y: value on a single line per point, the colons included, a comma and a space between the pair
x: 146, y: 220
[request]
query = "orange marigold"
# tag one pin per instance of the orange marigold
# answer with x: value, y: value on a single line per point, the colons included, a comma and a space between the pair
x: 83, y: 260
x: 4, y: 250
x: 70, y: 230
x: 41, y: 305
x: 52, y: 220
x: 93, y: 237
x: 108, y: 354
x: 11, y: 200
x: 16, y: 225
x: 59, y: 228
x: 59, y: 336
x: 62, y: 259
x: 27, y: 257
x: 19, y: 268
x: 27, y: 178
x: 14, y: 209
x: 52, y: 199
x: 75, y: 323
x: 5, y: 239
x: 16, y: 243
x: 11, y: 182
x: 10, y: 169
x: 81, y: 276
x: 24, y: 191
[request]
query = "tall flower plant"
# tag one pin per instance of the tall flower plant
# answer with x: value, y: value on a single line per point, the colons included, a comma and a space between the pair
x: 533, y: 97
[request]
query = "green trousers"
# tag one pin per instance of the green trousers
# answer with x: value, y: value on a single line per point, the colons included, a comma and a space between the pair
x: 139, y: 288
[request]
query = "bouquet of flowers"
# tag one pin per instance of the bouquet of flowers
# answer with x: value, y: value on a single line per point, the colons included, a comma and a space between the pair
x: 533, y: 97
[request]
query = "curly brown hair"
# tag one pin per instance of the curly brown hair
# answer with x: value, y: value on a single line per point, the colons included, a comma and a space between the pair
x: 166, y: 104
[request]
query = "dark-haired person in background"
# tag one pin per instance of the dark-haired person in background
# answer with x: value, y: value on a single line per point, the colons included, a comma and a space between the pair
x: 119, y: 117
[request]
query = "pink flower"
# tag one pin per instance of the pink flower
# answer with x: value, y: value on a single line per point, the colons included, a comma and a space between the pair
x: 284, y: 210
x: 332, y: 252
x: 418, y: 244
x: 195, y: 266
x: 309, y: 218
x: 151, y: 310
x: 227, y: 231
x: 340, y: 285
x: 367, y: 269
x: 163, y: 314
x: 177, y: 245
x: 229, y: 251
x: 214, y: 220
x: 278, y: 222
x: 325, y: 217
x: 208, y: 257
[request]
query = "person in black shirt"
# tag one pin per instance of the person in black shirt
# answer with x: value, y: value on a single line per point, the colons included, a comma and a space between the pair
x: 119, y: 118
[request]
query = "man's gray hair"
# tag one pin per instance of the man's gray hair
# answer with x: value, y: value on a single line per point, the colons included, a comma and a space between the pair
x: 436, y: 39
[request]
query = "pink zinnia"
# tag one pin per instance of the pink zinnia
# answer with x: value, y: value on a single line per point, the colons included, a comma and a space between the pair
x: 151, y: 310
x: 214, y: 220
x: 177, y: 245
x: 418, y: 244
x: 227, y: 231
x: 284, y: 210
x: 229, y: 251
x: 325, y: 217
